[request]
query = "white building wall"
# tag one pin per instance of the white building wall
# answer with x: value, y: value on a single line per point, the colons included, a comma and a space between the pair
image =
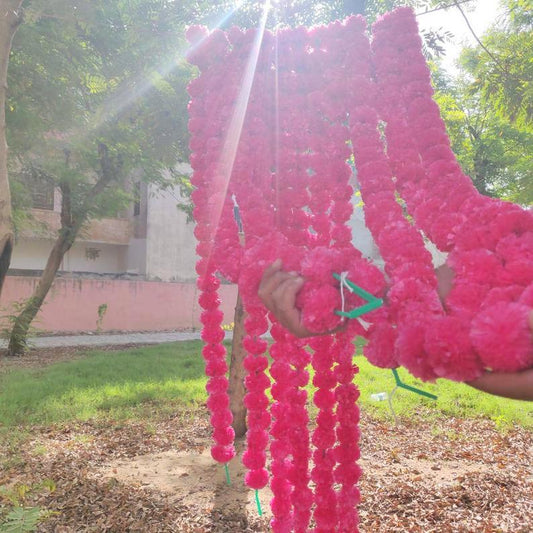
x: 170, y: 241
x: 362, y: 239
x: 32, y: 254
x: 95, y: 257
x: 136, y: 257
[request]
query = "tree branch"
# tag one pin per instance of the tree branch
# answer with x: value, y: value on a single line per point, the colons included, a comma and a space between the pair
x: 440, y: 8
x: 496, y: 60
x: 66, y: 204
x: 108, y: 173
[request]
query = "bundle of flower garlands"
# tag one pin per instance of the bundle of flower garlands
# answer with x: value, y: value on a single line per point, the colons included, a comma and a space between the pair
x: 277, y: 122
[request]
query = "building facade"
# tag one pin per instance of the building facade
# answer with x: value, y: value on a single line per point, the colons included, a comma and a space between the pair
x: 135, y: 272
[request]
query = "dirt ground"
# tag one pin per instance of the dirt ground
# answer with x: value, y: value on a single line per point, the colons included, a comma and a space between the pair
x: 448, y: 476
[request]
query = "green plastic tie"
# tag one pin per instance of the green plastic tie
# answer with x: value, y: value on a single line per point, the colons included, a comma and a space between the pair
x: 226, y: 469
x: 402, y: 385
x: 372, y: 301
x: 259, y: 510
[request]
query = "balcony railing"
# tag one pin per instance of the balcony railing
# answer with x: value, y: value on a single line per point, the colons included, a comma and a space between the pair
x: 46, y: 224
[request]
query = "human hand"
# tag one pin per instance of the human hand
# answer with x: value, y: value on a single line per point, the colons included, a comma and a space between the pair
x: 278, y: 290
x: 517, y: 385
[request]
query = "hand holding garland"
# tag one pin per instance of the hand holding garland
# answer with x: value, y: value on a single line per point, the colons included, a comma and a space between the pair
x: 278, y: 291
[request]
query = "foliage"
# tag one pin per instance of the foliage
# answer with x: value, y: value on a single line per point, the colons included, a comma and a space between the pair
x: 486, y: 110
x: 502, y: 70
x: 492, y: 150
x: 102, y: 310
x: 21, y: 519
x: 226, y: 13
x: 18, y: 516
x: 100, y: 73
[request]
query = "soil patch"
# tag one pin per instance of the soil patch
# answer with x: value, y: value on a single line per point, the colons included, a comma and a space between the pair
x: 130, y: 477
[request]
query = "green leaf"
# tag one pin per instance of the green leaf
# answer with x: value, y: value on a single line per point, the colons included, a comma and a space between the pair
x: 21, y: 520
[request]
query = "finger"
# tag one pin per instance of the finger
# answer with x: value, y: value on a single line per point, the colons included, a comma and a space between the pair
x: 270, y: 285
x: 284, y: 300
x: 285, y: 293
x: 273, y: 268
x: 269, y: 272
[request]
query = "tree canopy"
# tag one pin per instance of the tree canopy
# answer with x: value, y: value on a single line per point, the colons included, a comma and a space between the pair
x: 501, y: 69
x: 105, y: 73
x: 487, y: 107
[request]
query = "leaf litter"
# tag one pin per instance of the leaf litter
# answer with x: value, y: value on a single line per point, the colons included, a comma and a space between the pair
x: 423, y: 476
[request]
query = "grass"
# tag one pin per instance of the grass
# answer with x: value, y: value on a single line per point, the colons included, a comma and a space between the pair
x: 118, y: 385
x: 453, y: 399
x: 143, y: 382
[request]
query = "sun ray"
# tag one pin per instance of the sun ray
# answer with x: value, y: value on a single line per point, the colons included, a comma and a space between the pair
x: 277, y: 131
x: 134, y: 89
x: 231, y: 142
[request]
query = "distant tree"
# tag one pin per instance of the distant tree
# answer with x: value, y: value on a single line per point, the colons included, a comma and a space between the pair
x: 226, y: 13
x: 96, y: 91
x: 10, y: 18
x: 501, y: 68
x: 487, y: 107
x: 492, y: 150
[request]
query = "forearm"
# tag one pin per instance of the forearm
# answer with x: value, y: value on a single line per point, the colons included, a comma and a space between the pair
x: 517, y: 386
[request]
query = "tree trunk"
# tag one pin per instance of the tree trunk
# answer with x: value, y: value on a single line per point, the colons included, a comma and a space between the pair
x: 70, y: 227
x: 21, y: 326
x: 237, y: 389
x: 9, y: 21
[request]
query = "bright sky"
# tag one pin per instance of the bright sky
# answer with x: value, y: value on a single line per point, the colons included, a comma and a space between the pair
x: 481, y: 17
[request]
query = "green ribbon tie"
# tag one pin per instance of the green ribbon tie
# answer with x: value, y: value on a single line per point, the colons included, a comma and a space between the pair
x: 402, y: 385
x: 259, y: 510
x: 372, y: 301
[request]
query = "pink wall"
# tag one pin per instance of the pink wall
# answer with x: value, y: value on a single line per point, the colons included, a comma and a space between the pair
x: 72, y: 304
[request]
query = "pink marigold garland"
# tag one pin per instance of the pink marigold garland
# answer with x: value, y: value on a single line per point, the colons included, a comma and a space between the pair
x: 256, y: 400
x: 280, y: 447
x: 457, y: 218
x: 299, y: 476
x: 214, y: 352
x: 324, y: 86
x: 323, y: 439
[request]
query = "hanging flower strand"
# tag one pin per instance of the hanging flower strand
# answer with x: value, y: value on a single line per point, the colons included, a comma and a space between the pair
x: 203, y: 152
x: 319, y: 97
x: 490, y: 243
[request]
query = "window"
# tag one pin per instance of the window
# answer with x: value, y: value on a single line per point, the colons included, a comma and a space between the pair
x: 42, y: 194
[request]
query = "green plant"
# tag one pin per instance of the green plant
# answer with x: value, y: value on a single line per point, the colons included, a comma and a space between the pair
x: 8, y: 321
x: 21, y: 517
x: 159, y: 378
x: 102, y: 309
